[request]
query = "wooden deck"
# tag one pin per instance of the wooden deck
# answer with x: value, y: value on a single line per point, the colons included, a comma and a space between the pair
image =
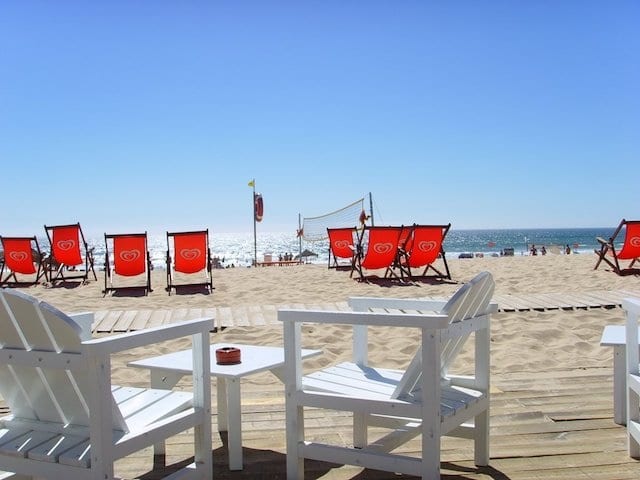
x: 543, y: 426
x: 552, y: 425
x: 119, y: 321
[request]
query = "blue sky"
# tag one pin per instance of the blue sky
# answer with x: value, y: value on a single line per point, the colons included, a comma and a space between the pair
x: 154, y: 115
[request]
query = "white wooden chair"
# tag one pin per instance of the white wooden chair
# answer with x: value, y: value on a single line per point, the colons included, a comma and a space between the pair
x: 632, y: 308
x: 66, y: 420
x: 423, y: 400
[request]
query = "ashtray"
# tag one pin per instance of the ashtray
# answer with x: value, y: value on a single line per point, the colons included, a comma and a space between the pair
x: 227, y: 356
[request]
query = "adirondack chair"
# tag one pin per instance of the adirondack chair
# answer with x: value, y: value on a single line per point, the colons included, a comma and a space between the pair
x: 423, y: 400
x: 632, y: 308
x: 66, y: 419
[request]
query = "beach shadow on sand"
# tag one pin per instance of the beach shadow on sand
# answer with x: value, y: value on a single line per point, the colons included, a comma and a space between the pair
x: 191, y: 290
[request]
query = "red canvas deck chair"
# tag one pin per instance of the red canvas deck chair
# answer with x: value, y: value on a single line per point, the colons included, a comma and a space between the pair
x: 191, y: 260
x: 377, y: 248
x: 423, y: 247
x: 630, y: 249
x: 127, y: 255
x: 341, y: 246
x: 21, y: 255
x: 69, y: 251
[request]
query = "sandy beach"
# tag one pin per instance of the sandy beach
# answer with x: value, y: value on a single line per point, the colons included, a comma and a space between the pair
x: 522, y: 342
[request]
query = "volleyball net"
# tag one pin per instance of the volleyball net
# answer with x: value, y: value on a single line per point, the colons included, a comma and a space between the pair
x: 314, y: 229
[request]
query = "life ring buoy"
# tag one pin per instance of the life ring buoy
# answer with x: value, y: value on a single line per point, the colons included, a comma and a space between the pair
x: 258, y: 208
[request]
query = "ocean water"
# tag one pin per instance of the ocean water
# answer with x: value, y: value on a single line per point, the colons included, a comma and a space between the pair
x: 237, y: 249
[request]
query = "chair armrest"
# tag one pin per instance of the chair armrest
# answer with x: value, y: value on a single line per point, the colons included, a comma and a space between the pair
x: 85, y: 320
x: 604, y: 242
x: 365, y: 303
x: 128, y: 341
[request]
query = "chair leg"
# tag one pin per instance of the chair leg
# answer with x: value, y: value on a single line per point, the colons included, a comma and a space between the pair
x: 481, y: 439
x: 295, y: 435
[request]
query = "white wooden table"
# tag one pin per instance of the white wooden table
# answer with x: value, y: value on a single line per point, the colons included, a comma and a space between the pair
x: 167, y: 370
x: 614, y: 336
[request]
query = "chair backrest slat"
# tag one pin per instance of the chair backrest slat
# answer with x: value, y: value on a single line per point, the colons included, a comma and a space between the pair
x: 471, y: 300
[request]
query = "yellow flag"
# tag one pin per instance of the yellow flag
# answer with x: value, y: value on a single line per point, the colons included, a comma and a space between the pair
x: 252, y: 183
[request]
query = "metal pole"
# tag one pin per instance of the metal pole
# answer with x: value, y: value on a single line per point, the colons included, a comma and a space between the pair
x: 371, y: 207
x: 255, y: 241
x: 299, y: 238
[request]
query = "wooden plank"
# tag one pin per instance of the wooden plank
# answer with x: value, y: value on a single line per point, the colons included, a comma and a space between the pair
x: 224, y: 317
x: 255, y: 316
x: 107, y: 323
x: 141, y: 320
x: 158, y: 317
x: 124, y: 322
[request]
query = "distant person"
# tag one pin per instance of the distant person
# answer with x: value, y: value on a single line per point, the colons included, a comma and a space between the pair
x: 567, y: 250
x: 543, y: 250
x: 534, y: 250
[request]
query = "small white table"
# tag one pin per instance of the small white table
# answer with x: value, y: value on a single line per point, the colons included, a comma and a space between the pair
x: 614, y: 336
x: 167, y: 370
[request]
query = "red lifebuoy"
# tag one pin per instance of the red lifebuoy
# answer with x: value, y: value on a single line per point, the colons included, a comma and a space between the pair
x: 258, y: 207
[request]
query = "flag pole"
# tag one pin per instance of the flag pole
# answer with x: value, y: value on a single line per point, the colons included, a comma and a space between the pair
x: 252, y: 184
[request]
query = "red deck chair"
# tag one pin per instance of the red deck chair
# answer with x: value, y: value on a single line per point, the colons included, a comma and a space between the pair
x: 630, y: 249
x: 341, y: 246
x: 191, y: 258
x: 381, y: 249
x: 22, y: 256
x: 130, y: 255
x: 423, y: 247
x: 68, y: 246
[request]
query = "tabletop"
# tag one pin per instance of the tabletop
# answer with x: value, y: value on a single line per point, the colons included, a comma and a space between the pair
x: 254, y: 359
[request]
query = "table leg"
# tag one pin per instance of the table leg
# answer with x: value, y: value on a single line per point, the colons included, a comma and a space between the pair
x: 221, y: 393
x: 234, y: 424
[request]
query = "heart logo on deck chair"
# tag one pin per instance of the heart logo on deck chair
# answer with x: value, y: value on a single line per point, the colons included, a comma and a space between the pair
x: 130, y: 255
x: 341, y: 244
x: 18, y: 256
x: 383, y: 248
x: 426, y: 246
x: 635, y: 242
x: 66, y: 245
x: 190, y: 253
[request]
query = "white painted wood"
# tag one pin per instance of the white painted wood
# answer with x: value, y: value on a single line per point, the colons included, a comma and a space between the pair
x: 67, y: 420
x: 632, y: 309
x: 614, y: 336
x: 421, y: 400
x: 166, y: 371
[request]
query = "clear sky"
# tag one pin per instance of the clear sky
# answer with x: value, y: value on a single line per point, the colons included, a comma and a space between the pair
x: 154, y: 115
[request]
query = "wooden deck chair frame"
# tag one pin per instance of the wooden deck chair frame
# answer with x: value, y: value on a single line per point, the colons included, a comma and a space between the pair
x: 206, y: 270
x: 419, y: 253
x: 131, y: 253
x: 341, y: 246
x: 630, y: 249
x: 381, y: 250
x: 76, y: 245
x: 425, y: 399
x: 24, y: 257
x: 67, y: 420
